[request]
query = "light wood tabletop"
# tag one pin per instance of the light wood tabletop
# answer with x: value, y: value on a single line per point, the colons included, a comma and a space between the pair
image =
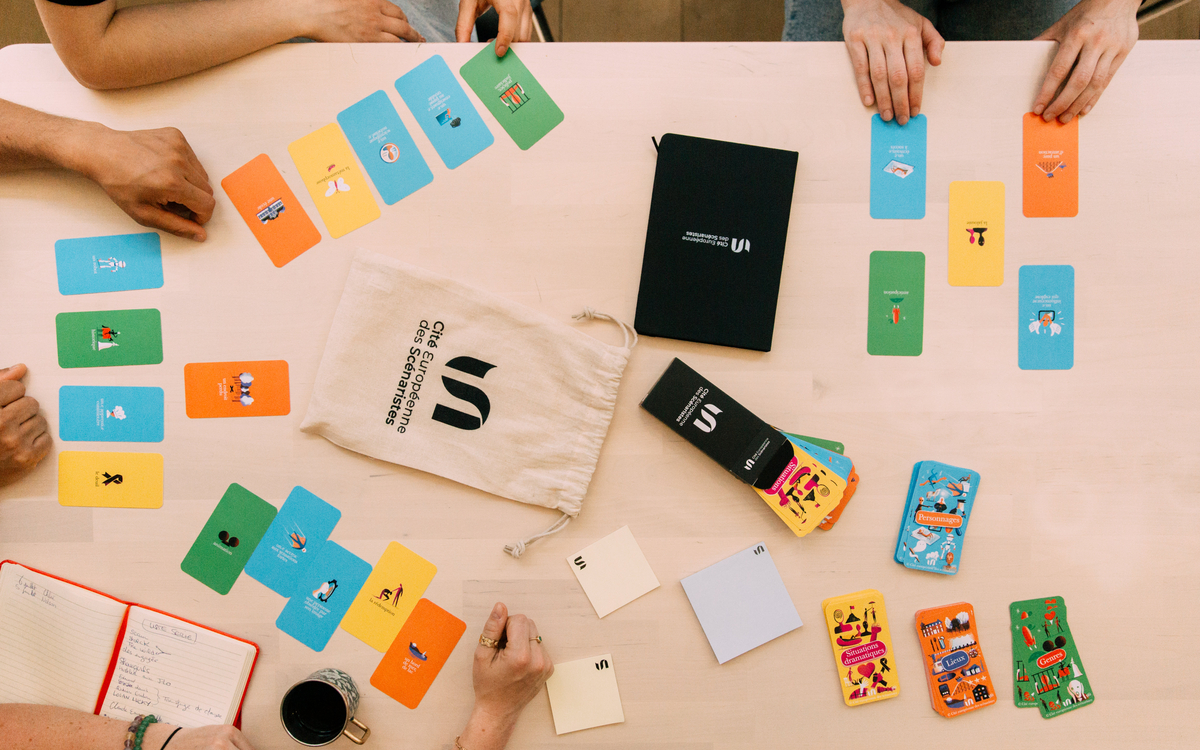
x: 1089, y: 476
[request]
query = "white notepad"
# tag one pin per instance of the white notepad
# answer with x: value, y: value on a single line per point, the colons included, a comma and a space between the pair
x: 613, y: 571
x: 583, y: 694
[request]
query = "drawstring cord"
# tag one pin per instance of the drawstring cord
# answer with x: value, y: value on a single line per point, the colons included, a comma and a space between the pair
x: 631, y: 337
x: 517, y: 548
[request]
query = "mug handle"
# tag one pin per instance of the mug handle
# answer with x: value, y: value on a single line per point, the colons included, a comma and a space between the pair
x: 365, y: 732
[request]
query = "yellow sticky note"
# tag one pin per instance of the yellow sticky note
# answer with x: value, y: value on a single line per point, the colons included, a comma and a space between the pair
x: 583, y: 694
x: 976, y: 233
x: 388, y: 597
x: 110, y: 480
x: 333, y: 178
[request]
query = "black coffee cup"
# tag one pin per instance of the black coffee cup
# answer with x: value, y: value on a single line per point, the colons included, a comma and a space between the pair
x: 321, y: 707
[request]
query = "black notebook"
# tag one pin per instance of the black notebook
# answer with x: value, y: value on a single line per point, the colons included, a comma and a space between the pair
x: 714, y: 245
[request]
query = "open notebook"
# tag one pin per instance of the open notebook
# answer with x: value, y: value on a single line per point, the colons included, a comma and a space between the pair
x: 65, y: 645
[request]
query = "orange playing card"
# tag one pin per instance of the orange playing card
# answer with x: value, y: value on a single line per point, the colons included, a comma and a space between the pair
x: 958, y: 677
x: 1050, y: 167
x: 836, y: 513
x: 418, y: 653
x: 236, y: 389
x: 271, y: 210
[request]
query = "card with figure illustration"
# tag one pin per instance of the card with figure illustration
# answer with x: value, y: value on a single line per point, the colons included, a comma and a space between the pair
x: 385, y: 148
x: 326, y: 166
x: 444, y: 112
x: 324, y: 592
x: 295, y: 537
x: 95, y: 479
x: 109, y: 338
x: 236, y: 389
x: 1049, y: 167
x: 512, y: 95
x: 898, y: 168
x: 584, y: 694
x: 396, y: 584
x: 271, y: 210
x: 936, y: 512
x: 1046, y: 318
x: 805, y: 491
x: 114, y: 263
x: 418, y: 653
x: 896, y: 303
x: 228, y: 539
x: 976, y: 244
x: 613, y: 571
x: 1048, y: 669
x: 958, y: 677
x: 110, y: 413
x: 862, y: 647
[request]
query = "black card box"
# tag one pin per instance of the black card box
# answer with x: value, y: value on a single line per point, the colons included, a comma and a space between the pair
x: 715, y: 241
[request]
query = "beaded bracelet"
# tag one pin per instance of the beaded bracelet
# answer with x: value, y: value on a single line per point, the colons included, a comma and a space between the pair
x: 137, y: 731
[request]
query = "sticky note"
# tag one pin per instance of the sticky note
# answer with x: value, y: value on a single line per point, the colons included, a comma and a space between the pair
x: 613, y: 571
x: 584, y: 694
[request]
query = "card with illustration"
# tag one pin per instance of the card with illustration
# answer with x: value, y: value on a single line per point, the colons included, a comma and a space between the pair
x: 396, y: 584
x: 236, y: 389
x: 805, y: 492
x: 1046, y: 318
x: 1048, y: 671
x: 1018, y: 618
x: 829, y: 445
x: 862, y: 647
x: 115, y: 263
x: 957, y: 674
x: 227, y: 540
x: 418, y: 653
x: 327, y: 168
x: 834, y: 460
x: 836, y: 513
x: 385, y: 148
x: 936, y: 512
x: 898, y: 168
x: 295, y: 537
x: 613, y: 571
x: 110, y: 413
x: 512, y: 95
x: 444, y: 112
x: 92, y: 479
x: 324, y: 592
x: 271, y: 210
x: 896, y: 304
x: 1050, y: 167
x: 108, y: 338
x: 976, y: 245
x: 741, y: 602
x: 584, y: 694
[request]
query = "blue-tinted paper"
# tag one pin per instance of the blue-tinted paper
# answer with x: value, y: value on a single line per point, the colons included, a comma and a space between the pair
x: 444, y: 112
x: 1046, y: 318
x: 109, y: 264
x: 293, y: 541
x: 934, y: 524
x: 110, y: 413
x: 385, y: 148
x: 898, y: 169
x: 839, y: 465
x: 323, y: 594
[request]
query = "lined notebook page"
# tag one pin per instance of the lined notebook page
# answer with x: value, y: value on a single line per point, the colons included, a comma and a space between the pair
x: 56, y: 640
x: 184, y: 674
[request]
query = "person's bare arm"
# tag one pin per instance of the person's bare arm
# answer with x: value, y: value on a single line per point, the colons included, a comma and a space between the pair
x: 29, y: 727
x: 107, y: 48
x: 1093, y: 38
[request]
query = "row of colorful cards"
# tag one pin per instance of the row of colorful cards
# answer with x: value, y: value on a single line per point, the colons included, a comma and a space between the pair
x: 936, y: 512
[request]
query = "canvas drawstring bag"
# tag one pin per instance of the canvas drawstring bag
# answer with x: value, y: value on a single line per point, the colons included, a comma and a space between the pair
x: 424, y: 371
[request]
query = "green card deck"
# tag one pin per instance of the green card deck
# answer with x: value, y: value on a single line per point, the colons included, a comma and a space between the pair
x: 1047, y: 670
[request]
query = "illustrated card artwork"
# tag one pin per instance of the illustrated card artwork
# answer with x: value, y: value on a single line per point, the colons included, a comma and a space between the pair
x: 1046, y: 318
x: 512, y: 95
x: 227, y: 540
x: 976, y: 244
x: 898, y: 168
x: 324, y: 592
x: 1050, y: 167
x: 836, y: 513
x: 805, y: 491
x: 934, y: 524
x: 584, y: 694
x: 396, y: 584
x: 110, y: 413
x: 954, y: 666
x: 114, y: 263
x: 444, y: 112
x: 1049, y: 669
x: 896, y: 303
x: 292, y: 541
x: 385, y: 148
x: 327, y: 168
x: 271, y: 210
x: 613, y: 571
x: 110, y: 480
x: 108, y: 338
x: 862, y: 647
x: 418, y: 653
x: 236, y: 389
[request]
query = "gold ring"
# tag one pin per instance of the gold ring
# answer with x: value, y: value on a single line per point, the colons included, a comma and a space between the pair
x: 537, y: 638
x: 489, y: 642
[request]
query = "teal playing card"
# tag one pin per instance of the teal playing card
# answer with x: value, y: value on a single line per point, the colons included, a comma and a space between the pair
x: 898, y: 168
x: 936, y: 513
x: 385, y: 148
x: 896, y: 303
x: 109, y: 264
x: 838, y: 463
x: 1046, y: 318
x: 107, y: 338
x: 512, y: 95
x: 228, y: 539
x: 444, y: 112
x: 110, y: 413
x: 295, y: 538
x: 323, y: 594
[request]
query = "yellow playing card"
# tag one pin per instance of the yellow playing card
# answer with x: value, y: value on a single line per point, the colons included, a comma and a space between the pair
x: 976, y: 233
x: 804, y: 493
x: 862, y: 647
x: 388, y: 597
x: 333, y: 178
x: 110, y: 480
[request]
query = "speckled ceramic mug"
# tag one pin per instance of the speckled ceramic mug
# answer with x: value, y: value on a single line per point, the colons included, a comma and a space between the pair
x: 320, y: 708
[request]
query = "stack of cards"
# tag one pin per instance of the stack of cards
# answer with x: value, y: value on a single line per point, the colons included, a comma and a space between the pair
x: 1047, y: 670
x: 896, y: 303
x: 613, y: 571
x: 583, y: 694
x: 958, y: 677
x: 862, y: 647
x: 808, y: 490
x: 934, y: 522
x: 831, y: 454
x: 1046, y: 318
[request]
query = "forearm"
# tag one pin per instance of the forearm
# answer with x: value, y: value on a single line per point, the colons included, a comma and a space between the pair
x: 484, y: 732
x: 28, y: 727
x: 30, y: 139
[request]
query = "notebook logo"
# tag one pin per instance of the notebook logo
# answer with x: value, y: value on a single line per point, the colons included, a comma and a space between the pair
x: 759, y: 549
x: 466, y: 392
x: 602, y: 664
x: 739, y: 246
x: 708, y: 412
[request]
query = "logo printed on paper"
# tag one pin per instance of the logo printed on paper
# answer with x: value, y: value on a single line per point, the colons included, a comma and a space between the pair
x: 708, y: 412
x: 389, y: 153
x: 759, y: 549
x: 602, y: 664
x: 739, y: 246
x: 580, y: 563
x: 465, y: 392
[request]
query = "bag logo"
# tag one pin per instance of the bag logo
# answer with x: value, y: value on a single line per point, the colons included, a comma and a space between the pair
x: 602, y: 664
x: 469, y: 393
x: 580, y: 562
x: 709, y: 412
x: 739, y: 246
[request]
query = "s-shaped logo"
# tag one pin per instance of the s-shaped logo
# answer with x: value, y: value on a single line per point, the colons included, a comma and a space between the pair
x: 739, y: 246
x: 469, y: 393
x: 709, y: 412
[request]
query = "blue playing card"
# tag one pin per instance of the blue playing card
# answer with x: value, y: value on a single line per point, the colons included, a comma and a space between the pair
x: 839, y: 465
x: 293, y: 540
x: 322, y: 595
x: 110, y: 413
x: 444, y: 111
x: 935, y: 518
x: 385, y: 148
x: 898, y: 169
x: 109, y: 264
x: 1046, y: 318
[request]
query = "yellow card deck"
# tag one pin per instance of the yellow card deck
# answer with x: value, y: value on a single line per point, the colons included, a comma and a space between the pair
x: 862, y: 647
x: 805, y: 493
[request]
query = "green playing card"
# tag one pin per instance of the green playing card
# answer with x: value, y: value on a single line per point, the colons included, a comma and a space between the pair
x: 108, y: 338
x: 1055, y: 679
x: 512, y: 95
x: 226, y: 542
x: 828, y: 445
x: 896, y: 303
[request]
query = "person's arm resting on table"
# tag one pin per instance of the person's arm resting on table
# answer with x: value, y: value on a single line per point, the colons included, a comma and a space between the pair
x: 1094, y: 38
x: 24, y: 432
x: 29, y: 727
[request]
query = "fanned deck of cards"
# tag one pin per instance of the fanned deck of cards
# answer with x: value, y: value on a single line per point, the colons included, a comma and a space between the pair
x: 613, y: 571
x: 934, y: 522
x: 1047, y: 670
x: 862, y: 647
x: 584, y: 694
x: 958, y: 676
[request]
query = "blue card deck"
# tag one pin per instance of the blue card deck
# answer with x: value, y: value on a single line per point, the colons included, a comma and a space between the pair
x: 934, y: 524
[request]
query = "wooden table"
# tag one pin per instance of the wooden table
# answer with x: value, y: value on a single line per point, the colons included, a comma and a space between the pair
x: 1089, y: 486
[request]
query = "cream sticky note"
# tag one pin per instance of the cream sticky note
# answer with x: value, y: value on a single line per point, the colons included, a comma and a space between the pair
x: 333, y: 178
x: 583, y: 694
x: 613, y: 571
x: 976, y: 234
x: 110, y: 480
x: 391, y: 592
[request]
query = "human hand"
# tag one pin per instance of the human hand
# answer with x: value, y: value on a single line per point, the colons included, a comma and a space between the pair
x: 516, y: 21
x: 1093, y: 39
x: 888, y: 42
x: 356, y: 21
x: 507, y: 678
x: 210, y: 738
x: 24, y: 433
